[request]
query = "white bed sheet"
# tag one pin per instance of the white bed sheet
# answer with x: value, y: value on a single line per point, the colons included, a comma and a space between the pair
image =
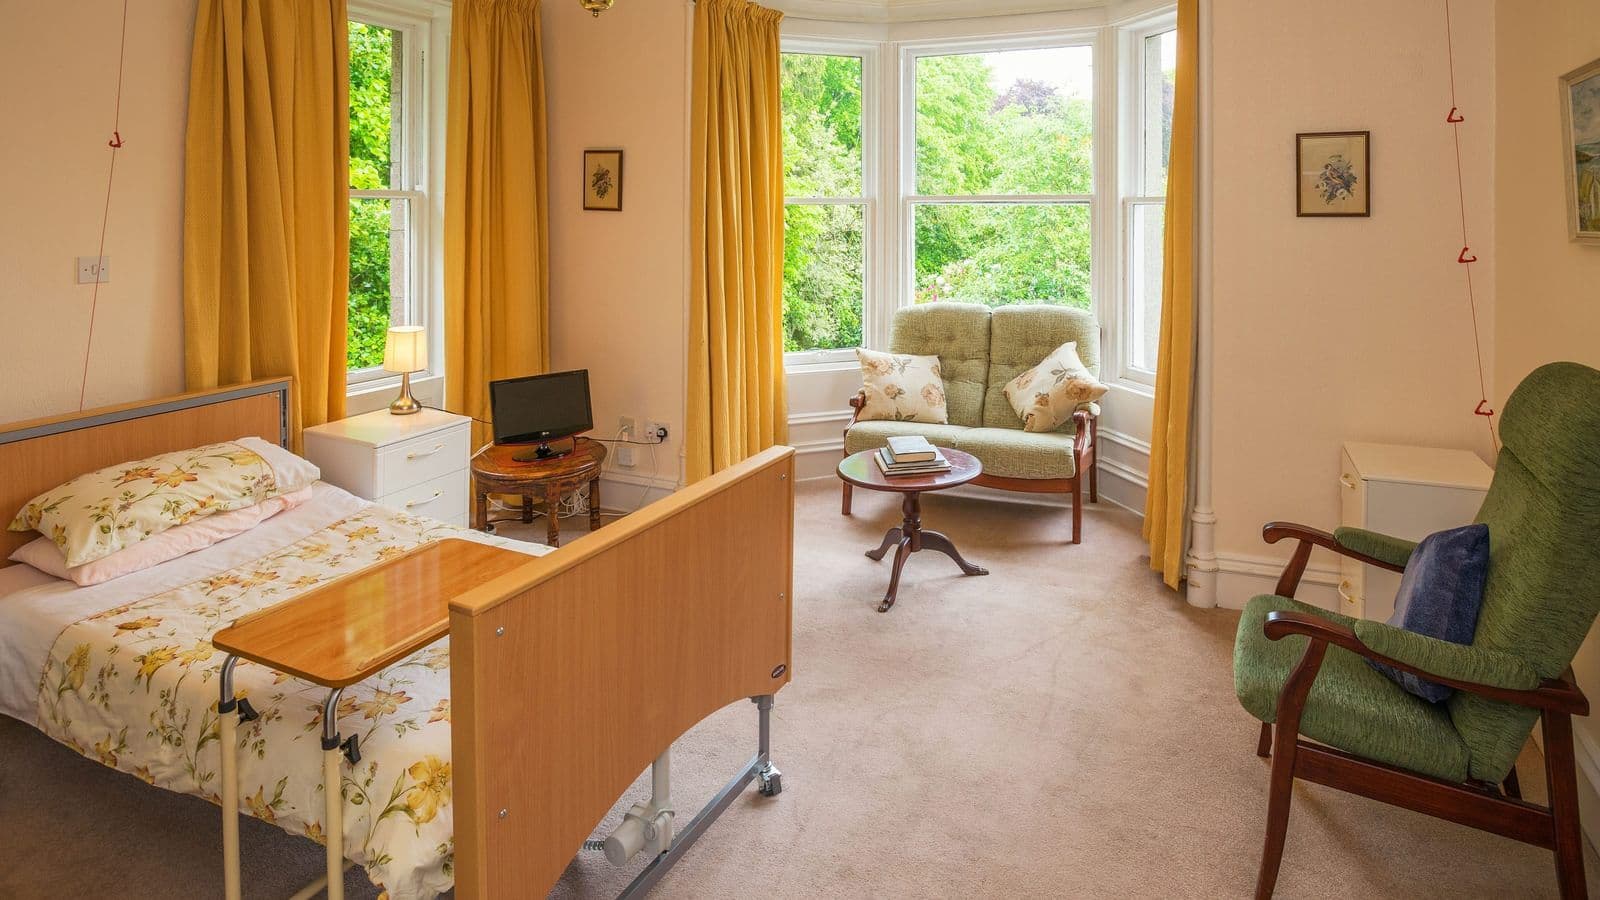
x: 33, y: 617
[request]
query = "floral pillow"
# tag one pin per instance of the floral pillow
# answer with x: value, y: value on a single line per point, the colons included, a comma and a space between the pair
x: 1046, y: 395
x: 902, y: 388
x: 97, y: 514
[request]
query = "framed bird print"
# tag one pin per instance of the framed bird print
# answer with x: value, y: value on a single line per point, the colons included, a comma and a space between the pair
x: 1334, y: 174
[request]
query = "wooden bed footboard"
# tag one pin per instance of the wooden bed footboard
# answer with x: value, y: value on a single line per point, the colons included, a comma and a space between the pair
x: 572, y: 673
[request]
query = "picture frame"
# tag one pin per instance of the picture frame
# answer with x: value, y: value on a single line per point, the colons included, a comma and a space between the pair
x: 602, y: 180
x: 1580, y: 137
x: 1333, y: 174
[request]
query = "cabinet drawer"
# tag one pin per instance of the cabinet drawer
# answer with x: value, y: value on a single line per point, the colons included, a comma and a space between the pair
x: 410, y: 463
x: 443, y: 498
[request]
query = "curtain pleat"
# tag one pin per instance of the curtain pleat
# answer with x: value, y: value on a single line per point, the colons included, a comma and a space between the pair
x: 266, y: 225
x: 496, y: 222
x: 736, y: 402
x: 1171, y: 433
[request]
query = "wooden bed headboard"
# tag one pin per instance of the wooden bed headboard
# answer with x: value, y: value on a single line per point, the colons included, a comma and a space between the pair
x: 37, y: 455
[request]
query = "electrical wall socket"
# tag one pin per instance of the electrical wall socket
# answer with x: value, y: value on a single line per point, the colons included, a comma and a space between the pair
x: 628, y: 431
x: 656, y: 432
x: 92, y: 269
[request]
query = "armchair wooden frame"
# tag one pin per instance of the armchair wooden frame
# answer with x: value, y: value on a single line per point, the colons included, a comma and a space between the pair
x: 1085, y: 456
x: 1498, y: 809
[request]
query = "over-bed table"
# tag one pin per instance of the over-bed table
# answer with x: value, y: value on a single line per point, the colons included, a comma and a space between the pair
x: 490, y: 757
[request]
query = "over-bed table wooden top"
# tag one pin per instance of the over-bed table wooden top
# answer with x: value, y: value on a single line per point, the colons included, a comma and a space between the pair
x: 350, y: 629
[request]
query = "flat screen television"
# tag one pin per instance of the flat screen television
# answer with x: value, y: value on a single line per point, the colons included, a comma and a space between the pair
x: 541, y: 408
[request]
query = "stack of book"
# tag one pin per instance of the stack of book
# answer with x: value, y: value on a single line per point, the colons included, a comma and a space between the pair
x: 911, y: 455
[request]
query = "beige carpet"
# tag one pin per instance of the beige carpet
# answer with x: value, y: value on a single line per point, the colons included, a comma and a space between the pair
x: 1062, y: 727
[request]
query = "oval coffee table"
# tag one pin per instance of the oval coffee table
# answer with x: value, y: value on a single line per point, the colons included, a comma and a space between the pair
x: 861, y: 470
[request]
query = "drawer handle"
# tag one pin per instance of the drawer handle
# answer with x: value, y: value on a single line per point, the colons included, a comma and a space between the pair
x: 416, y: 455
x: 1347, y: 481
x: 1344, y: 591
x: 411, y: 504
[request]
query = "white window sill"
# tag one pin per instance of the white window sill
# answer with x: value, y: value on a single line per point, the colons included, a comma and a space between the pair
x: 377, y: 393
x: 803, y: 366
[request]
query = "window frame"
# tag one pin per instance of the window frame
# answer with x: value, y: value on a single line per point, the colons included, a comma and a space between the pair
x: 1133, y: 193
x: 871, y: 180
x: 907, y: 199
x: 412, y: 174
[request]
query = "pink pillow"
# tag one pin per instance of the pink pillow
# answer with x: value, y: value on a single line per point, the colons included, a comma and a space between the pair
x: 43, y: 554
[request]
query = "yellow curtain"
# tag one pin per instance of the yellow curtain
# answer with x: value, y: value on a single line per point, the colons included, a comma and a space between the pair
x: 496, y: 217
x: 266, y: 209
x: 1166, y: 503
x: 736, y: 404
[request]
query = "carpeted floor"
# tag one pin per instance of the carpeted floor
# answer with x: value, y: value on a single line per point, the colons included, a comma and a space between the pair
x: 1062, y: 727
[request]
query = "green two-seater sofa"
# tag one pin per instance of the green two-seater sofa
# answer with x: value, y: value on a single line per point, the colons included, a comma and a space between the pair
x: 980, y: 351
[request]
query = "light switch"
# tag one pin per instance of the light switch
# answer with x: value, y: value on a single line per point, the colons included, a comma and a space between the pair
x: 92, y: 269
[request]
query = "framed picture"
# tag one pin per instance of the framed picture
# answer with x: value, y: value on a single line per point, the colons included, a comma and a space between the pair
x: 602, y: 180
x: 1580, y: 119
x: 1333, y: 173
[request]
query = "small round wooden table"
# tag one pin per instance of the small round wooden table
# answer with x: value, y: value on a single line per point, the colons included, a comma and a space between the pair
x: 861, y: 470
x: 496, y: 470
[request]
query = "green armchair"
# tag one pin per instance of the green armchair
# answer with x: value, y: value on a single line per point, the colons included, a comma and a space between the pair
x: 1301, y: 670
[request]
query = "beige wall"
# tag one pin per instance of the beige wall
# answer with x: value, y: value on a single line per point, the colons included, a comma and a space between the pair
x: 57, y: 79
x: 1328, y: 330
x: 618, y: 279
x: 1549, y: 285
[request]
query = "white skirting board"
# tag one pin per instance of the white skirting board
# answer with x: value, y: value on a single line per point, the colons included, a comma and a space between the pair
x: 1238, y: 578
x: 628, y: 491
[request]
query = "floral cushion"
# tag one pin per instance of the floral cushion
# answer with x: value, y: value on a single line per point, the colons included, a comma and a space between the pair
x: 96, y: 514
x: 902, y: 388
x: 1046, y: 395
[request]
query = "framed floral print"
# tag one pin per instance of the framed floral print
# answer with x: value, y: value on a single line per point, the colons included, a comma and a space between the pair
x: 1580, y: 135
x: 1333, y: 172
x: 602, y: 180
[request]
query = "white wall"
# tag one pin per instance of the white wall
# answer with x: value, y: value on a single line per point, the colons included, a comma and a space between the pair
x: 57, y: 86
x: 1331, y: 330
x: 1547, y: 284
x: 618, y: 291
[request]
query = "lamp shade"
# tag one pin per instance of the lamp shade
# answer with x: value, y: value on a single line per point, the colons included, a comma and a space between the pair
x: 406, y: 349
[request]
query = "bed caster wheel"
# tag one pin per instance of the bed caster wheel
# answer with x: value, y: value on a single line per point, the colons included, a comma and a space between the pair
x: 769, y: 781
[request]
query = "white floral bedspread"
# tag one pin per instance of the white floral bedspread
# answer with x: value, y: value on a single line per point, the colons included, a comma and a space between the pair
x: 135, y: 687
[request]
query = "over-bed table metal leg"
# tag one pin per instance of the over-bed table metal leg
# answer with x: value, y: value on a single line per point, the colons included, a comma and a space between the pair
x: 228, y: 733
x: 759, y: 768
x: 227, y: 728
x: 333, y: 798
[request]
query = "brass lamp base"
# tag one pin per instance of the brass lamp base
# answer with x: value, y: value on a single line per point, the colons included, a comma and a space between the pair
x: 405, y: 404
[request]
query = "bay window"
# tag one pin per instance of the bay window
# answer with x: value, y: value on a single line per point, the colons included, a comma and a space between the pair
x: 1006, y: 170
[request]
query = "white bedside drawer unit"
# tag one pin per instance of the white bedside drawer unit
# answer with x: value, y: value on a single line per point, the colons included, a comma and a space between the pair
x: 1406, y: 492
x: 443, y: 498
x: 416, y: 463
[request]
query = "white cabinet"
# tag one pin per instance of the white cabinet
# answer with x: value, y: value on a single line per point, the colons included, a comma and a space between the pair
x: 416, y: 463
x: 1407, y: 492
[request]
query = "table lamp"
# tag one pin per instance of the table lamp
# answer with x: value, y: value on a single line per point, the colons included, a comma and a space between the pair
x: 405, y: 351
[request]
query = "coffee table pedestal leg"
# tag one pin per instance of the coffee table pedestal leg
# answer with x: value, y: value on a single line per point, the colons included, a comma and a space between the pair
x: 908, y: 538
